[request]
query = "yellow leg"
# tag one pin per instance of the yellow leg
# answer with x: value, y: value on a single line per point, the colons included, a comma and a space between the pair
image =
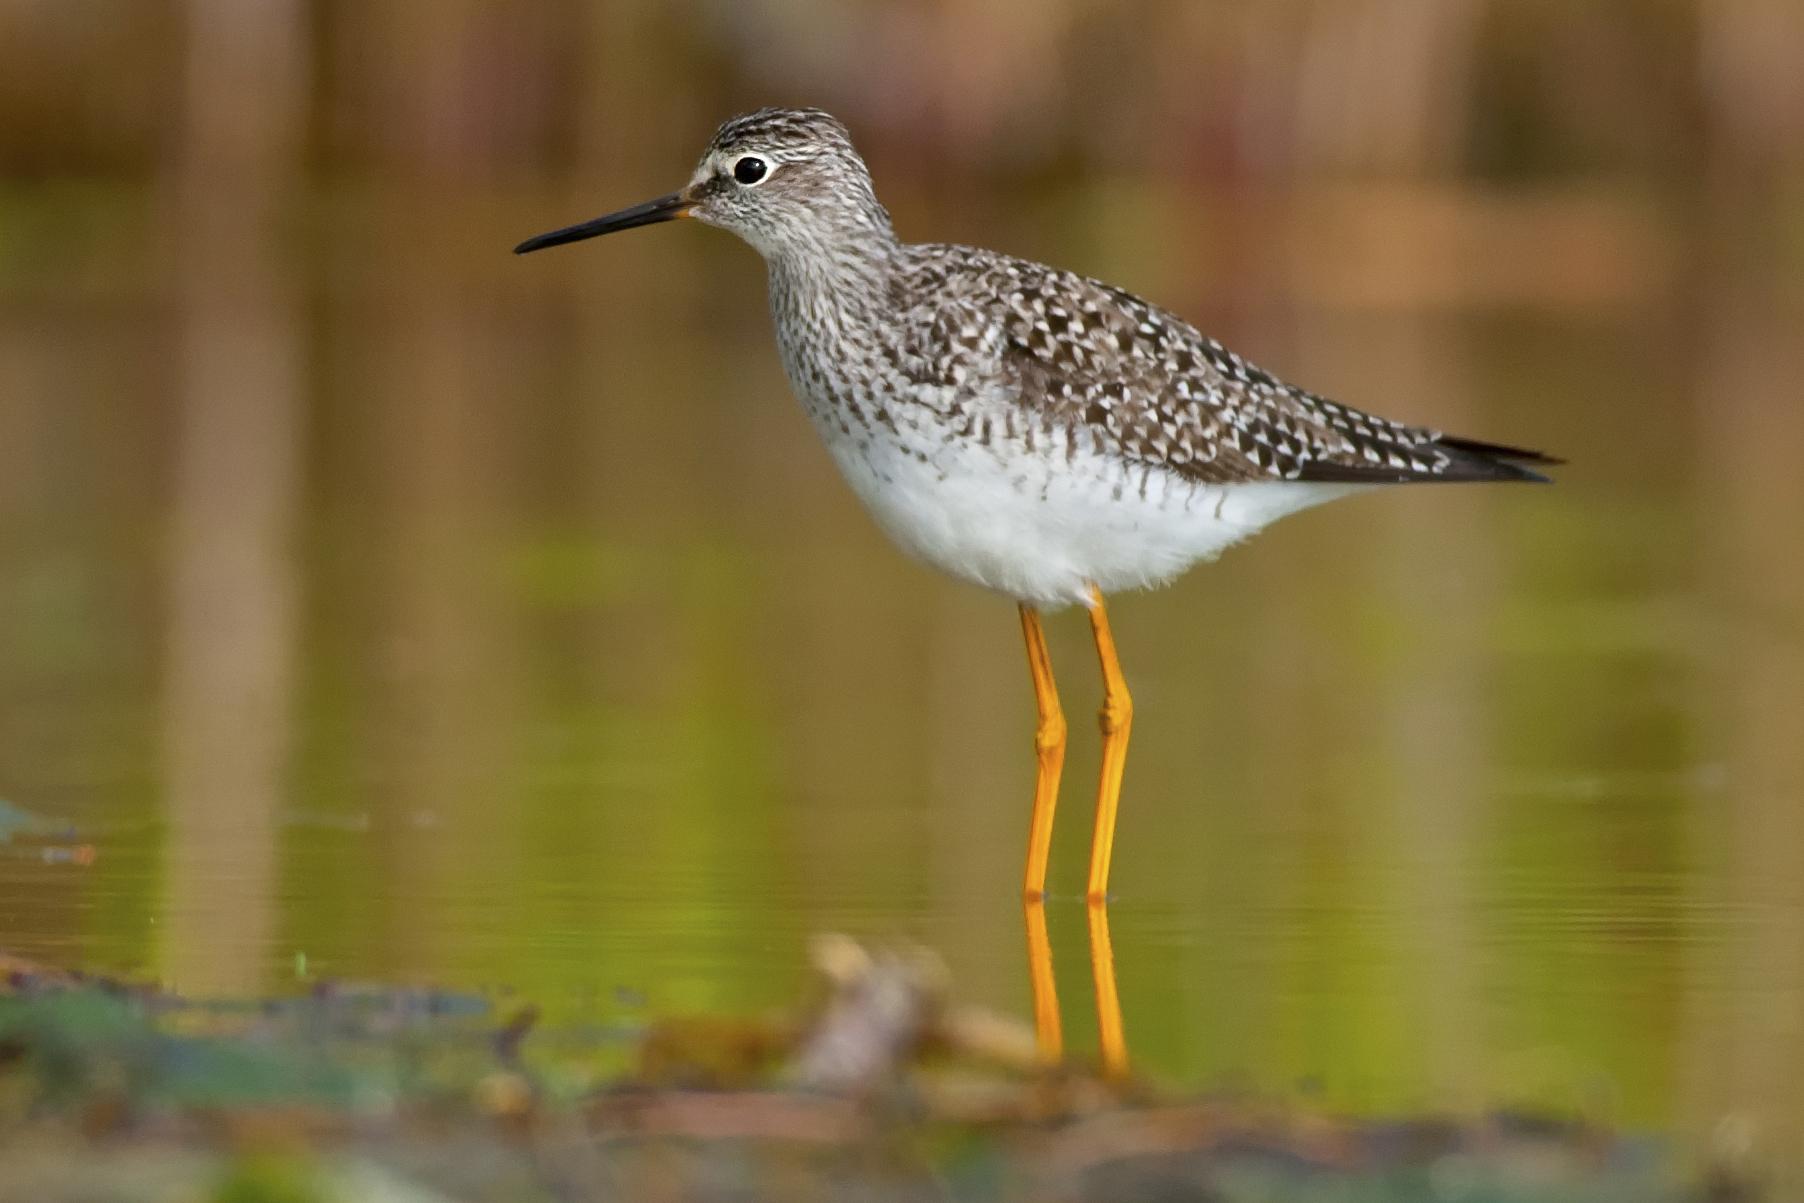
x: 1049, y: 752
x: 1048, y: 1034
x: 1113, y: 1039
x: 1117, y: 718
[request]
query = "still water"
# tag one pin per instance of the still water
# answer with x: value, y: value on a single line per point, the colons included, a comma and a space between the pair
x: 403, y: 611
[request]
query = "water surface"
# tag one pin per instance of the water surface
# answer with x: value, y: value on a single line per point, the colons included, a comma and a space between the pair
x: 411, y: 613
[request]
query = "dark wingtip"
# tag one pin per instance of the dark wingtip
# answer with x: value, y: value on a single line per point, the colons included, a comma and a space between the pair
x: 1468, y: 461
x: 1498, y: 451
x: 1496, y: 461
x: 1509, y: 471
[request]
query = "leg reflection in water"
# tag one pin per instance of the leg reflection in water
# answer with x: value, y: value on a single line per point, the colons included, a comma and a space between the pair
x: 1048, y: 1030
x: 1108, y: 1002
x: 1049, y: 1035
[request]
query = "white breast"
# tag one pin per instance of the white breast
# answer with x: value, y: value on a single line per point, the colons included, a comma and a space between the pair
x: 1043, y: 528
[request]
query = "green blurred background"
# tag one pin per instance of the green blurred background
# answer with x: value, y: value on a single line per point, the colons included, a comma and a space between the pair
x: 369, y: 595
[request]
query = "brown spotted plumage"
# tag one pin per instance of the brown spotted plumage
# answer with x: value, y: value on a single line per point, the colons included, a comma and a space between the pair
x: 1147, y: 386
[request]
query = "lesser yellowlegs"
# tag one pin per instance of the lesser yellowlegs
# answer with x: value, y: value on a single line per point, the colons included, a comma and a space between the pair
x: 1023, y: 428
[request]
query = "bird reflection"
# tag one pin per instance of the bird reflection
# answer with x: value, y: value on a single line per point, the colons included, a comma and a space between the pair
x: 1049, y: 1036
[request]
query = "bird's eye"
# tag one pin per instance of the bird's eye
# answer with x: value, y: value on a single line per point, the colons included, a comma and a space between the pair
x: 749, y: 170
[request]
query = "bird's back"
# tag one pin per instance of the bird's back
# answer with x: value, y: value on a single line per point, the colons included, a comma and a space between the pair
x: 1134, y: 381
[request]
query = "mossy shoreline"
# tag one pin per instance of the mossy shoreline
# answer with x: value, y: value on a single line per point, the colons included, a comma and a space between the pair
x: 115, y: 1091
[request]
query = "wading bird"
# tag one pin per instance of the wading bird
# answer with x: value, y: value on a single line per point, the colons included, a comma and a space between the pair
x: 1045, y: 435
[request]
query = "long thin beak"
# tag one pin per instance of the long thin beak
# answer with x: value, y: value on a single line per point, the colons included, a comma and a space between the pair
x: 665, y: 208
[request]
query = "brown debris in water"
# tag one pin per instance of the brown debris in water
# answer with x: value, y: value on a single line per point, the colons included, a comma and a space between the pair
x: 880, y: 1085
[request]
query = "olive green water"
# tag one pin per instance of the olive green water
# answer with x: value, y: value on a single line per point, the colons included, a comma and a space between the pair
x: 398, y: 610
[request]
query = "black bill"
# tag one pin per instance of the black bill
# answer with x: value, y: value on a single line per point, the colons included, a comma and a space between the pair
x: 665, y: 208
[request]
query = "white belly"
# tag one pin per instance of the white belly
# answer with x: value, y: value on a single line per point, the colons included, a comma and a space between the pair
x: 1044, y: 528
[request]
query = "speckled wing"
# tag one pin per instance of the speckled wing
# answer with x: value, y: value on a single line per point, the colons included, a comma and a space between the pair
x: 1148, y: 387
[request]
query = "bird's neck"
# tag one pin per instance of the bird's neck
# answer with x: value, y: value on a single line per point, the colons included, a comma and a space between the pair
x: 845, y: 282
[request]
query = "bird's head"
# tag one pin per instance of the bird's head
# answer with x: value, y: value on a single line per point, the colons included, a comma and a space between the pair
x: 785, y: 180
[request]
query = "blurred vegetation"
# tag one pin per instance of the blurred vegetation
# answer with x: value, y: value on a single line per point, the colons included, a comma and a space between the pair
x: 488, y: 91
x: 879, y: 1087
